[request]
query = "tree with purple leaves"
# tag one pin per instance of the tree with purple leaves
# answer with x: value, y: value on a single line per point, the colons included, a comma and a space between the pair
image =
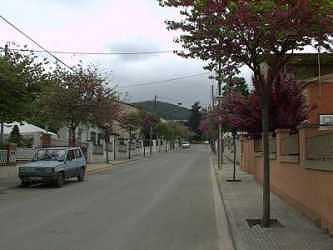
x: 241, y: 113
x: 232, y: 33
x: 288, y: 108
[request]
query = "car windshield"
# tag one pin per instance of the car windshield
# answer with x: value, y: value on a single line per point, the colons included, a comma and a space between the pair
x: 50, y: 155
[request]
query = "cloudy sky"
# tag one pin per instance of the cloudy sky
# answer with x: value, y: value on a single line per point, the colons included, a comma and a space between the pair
x: 112, y: 25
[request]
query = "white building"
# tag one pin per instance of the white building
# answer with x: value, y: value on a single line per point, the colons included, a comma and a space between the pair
x: 28, y: 131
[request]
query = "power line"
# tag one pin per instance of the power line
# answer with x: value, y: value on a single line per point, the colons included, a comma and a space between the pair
x: 163, y: 81
x: 35, y: 42
x: 96, y: 53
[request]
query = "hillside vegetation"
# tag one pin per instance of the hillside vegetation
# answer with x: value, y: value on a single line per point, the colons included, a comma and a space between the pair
x: 165, y: 110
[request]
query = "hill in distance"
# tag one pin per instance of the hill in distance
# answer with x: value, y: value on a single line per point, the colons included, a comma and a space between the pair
x: 165, y: 110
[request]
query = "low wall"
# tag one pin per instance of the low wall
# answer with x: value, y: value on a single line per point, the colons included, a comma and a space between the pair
x: 6, y: 172
x: 308, y: 189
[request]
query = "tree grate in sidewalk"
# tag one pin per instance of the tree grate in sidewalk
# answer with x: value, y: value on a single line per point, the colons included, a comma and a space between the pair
x: 274, y: 223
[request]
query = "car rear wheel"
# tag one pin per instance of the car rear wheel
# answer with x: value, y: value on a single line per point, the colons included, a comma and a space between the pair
x: 81, y: 175
x: 60, y: 181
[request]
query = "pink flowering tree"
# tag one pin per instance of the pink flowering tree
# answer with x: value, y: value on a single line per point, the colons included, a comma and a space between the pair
x: 231, y: 33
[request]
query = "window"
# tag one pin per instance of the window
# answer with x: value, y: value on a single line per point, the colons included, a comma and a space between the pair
x: 100, y: 139
x: 93, y: 138
x: 70, y: 155
x: 326, y: 121
x: 50, y: 155
x: 78, y: 153
x: 79, y: 134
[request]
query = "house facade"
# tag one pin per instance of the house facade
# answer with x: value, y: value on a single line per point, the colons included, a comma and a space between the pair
x: 92, y: 139
x: 315, y: 73
x: 301, y: 163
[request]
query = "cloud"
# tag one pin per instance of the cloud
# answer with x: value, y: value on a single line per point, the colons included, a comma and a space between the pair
x: 104, y: 25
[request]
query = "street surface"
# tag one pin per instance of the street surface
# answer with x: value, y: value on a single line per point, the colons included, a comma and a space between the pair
x: 164, y: 202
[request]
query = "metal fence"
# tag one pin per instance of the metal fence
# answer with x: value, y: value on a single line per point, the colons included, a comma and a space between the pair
x: 258, y: 145
x: 59, y: 142
x: 289, y: 145
x: 319, y: 147
x: 3, y: 157
x: 24, y: 154
x: 272, y: 145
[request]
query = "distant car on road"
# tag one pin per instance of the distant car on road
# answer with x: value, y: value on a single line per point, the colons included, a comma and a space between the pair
x: 54, y: 165
x: 186, y: 144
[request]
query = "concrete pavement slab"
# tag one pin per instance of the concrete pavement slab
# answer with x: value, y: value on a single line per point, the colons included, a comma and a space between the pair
x: 243, y: 200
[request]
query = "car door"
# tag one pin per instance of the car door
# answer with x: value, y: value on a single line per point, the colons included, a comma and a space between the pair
x: 69, y: 164
x: 77, y: 161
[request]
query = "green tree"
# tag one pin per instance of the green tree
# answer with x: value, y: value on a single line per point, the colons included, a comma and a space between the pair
x: 195, y: 119
x: 236, y: 84
x: 15, y: 136
x: 21, y: 78
x: 105, y: 111
x: 70, y: 99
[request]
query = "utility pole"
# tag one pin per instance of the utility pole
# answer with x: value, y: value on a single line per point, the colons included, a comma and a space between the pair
x: 212, y: 93
x: 129, y: 143
x: 2, y: 121
x: 219, y: 133
x: 151, y: 127
x: 212, y: 141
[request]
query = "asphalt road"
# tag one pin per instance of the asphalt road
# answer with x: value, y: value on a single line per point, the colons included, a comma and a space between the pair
x: 164, y: 202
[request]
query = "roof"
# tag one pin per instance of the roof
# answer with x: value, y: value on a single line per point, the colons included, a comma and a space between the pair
x: 25, y: 128
x: 306, y: 59
x: 311, y: 59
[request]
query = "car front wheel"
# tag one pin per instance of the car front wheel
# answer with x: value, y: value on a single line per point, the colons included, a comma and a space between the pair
x: 60, y: 181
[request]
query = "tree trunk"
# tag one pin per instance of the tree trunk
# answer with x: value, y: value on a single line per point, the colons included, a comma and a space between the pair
x: 266, y: 181
x: 71, y: 137
x: 106, y: 142
x: 114, y: 147
x: 1, y: 134
x: 234, y: 142
x: 130, y: 144
x: 129, y: 149
x: 106, y: 151
x: 151, y: 140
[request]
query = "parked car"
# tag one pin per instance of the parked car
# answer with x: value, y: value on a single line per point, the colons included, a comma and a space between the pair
x: 186, y: 144
x: 54, y: 165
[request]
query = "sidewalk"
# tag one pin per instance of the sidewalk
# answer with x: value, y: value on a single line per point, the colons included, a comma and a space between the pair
x: 243, y: 200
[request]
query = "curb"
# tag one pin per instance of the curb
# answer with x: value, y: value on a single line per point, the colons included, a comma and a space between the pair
x: 109, y: 167
x: 225, y: 237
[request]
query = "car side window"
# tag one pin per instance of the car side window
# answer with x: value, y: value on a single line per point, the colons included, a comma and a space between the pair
x: 70, y: 155
x: 78, y: 154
